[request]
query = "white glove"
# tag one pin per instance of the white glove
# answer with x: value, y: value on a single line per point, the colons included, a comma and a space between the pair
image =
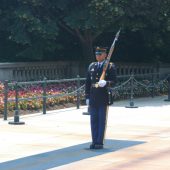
x: 87, y: 102
x: 102, y: 83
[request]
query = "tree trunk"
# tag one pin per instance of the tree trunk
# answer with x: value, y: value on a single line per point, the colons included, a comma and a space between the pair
x: 87, y: 52
x: 86, y: 39
x: 87, y: 56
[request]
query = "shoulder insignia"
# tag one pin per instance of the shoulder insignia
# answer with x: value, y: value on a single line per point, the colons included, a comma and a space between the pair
x: 90, y: 66
x: 111, y: 65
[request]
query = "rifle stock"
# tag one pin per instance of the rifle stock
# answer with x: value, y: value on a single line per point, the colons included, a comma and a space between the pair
x: 102, y: 77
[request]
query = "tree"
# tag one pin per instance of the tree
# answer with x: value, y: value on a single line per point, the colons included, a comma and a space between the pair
x: 36, y: 23
x: 88, y: 19
x: 37, y: 26
x: 147, y: 23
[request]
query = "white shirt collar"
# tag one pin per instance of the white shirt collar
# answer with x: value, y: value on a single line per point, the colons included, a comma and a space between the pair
x: 101, y: 63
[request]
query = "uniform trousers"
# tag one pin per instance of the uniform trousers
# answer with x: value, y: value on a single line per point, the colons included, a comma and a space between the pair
x: 98, y: 120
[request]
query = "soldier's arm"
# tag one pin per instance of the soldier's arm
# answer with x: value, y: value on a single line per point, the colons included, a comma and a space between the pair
x: 87, y: 85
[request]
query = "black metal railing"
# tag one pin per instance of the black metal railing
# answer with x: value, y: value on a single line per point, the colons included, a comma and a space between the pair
x: 129, y: 86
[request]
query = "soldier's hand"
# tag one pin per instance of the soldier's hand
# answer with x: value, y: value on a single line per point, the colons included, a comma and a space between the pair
x: 102, y: 83
x: 87, y: 102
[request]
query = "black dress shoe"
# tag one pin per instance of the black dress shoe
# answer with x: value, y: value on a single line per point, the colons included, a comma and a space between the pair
x: 98, y: 146
x: 92, y: 146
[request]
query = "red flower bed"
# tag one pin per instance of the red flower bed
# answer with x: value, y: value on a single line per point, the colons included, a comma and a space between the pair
x: 31, y: 91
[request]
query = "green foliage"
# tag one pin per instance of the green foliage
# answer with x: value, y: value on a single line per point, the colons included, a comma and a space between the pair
x: 37, y: 29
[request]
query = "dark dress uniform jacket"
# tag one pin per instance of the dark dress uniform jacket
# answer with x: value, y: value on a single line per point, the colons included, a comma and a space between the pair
x: 99, y: 96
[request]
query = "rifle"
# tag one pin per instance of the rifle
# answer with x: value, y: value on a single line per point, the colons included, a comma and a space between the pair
x: 109, y: 56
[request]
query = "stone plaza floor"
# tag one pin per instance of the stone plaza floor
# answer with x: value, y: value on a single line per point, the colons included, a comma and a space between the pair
x: 136, y: 139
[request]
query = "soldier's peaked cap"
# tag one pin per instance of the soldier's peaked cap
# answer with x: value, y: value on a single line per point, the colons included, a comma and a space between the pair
x: 101, y: 49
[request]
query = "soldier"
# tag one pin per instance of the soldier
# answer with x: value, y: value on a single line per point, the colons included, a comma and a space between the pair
x: 97, y: 96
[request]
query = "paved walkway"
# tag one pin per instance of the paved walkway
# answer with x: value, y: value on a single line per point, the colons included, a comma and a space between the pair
x: 136, y: 139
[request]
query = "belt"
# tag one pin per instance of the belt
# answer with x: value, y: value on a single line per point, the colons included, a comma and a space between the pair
x: 96, y: 85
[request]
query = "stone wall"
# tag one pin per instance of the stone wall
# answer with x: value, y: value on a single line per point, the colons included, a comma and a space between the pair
x: 27, y: 71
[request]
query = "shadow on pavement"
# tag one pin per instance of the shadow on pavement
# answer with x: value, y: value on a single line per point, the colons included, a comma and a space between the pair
x: 65, y: 156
